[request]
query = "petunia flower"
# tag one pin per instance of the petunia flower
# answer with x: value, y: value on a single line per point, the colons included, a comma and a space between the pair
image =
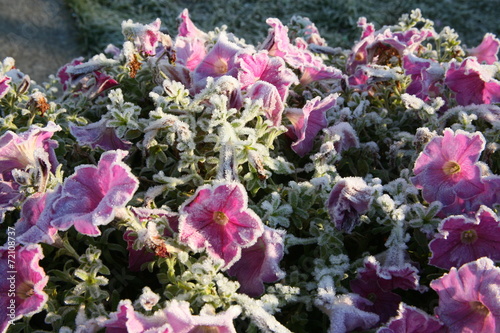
x: 487, y: 51
x: 219, y: 61
x: 346, y: 134
x: 427, y: 76
x: 259, y: 263
x: 189, y: 52
x: 412, y: 320
x: 462, y: 239
x: 447, y: 168
x: 217, y: 218
x: 98, y: 135
x: 472, y: 82
x: 22, y: 282
x: 469, y: 297
x: 308, y: 122
x: 144, y: 37
x: 183, y: 321
x: 30, y: 215
x: 126, y: 319
x: 4, y: 85
x: 349, y: 199
x: 187, y: 28
x: 272, y: 102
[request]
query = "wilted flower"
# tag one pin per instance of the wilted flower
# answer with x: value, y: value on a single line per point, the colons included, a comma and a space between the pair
x: 469, y: 297
x: 218, y: 219
x: 98, y: 135
x: 22, y: 283
x: 447, y: 168
x: 412, y: 320
x: 349, y: 199
x: 259, y: 263
x: 462, y: 239
x: 486, y: 51
x: 472, y: 82
x: 308, y: 122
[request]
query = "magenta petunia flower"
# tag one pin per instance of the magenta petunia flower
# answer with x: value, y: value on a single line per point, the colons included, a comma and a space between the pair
x: 272, y: 102
x: 308, y: 122
x: 219, y: 61
x: 217, y: 218
x: 98, y: 135
x: 472, y: 82
x: 4, y: 85
x: 261, y: 67
x: 447, y: 168
x: 91, y: 196
x: 30, y: 215
x: 462, y: 239
x: 349, y: 199
x: 126, y: 319
x: 187, y: 28
x: 183, y: 321
x: 22, y: 282
x: 389, y: 277
x: 486, y: 51
x: 259, y: 263
x: 345, y: 312
x: 426, y: 75
x: 412, y: 320
x: 469, y: 297
x: 144, y: 37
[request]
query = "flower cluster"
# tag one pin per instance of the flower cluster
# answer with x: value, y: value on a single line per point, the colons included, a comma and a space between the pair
x: 197, y: 183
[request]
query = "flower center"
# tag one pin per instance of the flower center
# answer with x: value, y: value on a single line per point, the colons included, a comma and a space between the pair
x: 220, y: 218
x: 25, y: 290
x: 468, y: 236
x: 220, y: 66
x: 205, y: 329
x: 451, y: 168
x: 480, y: 308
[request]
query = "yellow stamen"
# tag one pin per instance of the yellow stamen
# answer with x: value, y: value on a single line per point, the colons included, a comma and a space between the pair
x: 220, y: 218
x: 468, y: 236
x: 220, y: 66
x: 451, y: 168
x: 480, y: 308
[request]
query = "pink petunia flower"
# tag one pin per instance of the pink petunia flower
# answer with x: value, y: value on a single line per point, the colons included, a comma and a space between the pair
x: 4, y: 85
x: 144, y: 37
x: 486, y: 51
x: 349, y: 199
x: 261, y: 67
x: 183, y: 321
x: 426, y: 76
x: 189, y: 52
x: 30, y: 214
x: 413, y: 320
x: 98, y: 135
x: 187, y: 28
x: 462, y: 239
x: 126, y: 319
x: 219, y: 61
x: 259, y: 263
x: 22, y: 282
x: 217, y: 218
x: 469, y: 297
x: 447, y: 168
x: 472, y: 82
x: 308, y: 122
x: 272, y: 102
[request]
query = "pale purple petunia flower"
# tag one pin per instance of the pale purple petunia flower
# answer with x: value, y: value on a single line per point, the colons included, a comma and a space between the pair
x: 462, y: 239
x: 259, y: 263
x: 189, y: 52
x: 308, y: 122
x: 30, y: 216
x: 126, y: 319
x: 183, y: 321
x: 98, y: 135
x: 217, y: 218
x: 4, y: 85
x: 219, y: 61
x: 469, y: 297
x: 447, y: 168
x: 272, y: 102
x: 426, y: 76
x: 91, y: 196
x: 21, y: 285
x: 413, y: 320
x: 349, y: 199
x: 472, y: 82
x: 486, y: 51
x: 347, y: 136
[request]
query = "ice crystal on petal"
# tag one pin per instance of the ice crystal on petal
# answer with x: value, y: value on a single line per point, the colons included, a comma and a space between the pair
x: 469, y: 297
x: 462, y: 239
x: 29, y: 280
x: 217, y: 218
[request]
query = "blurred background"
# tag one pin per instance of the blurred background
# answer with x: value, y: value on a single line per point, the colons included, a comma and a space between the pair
x: 43, y: 35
